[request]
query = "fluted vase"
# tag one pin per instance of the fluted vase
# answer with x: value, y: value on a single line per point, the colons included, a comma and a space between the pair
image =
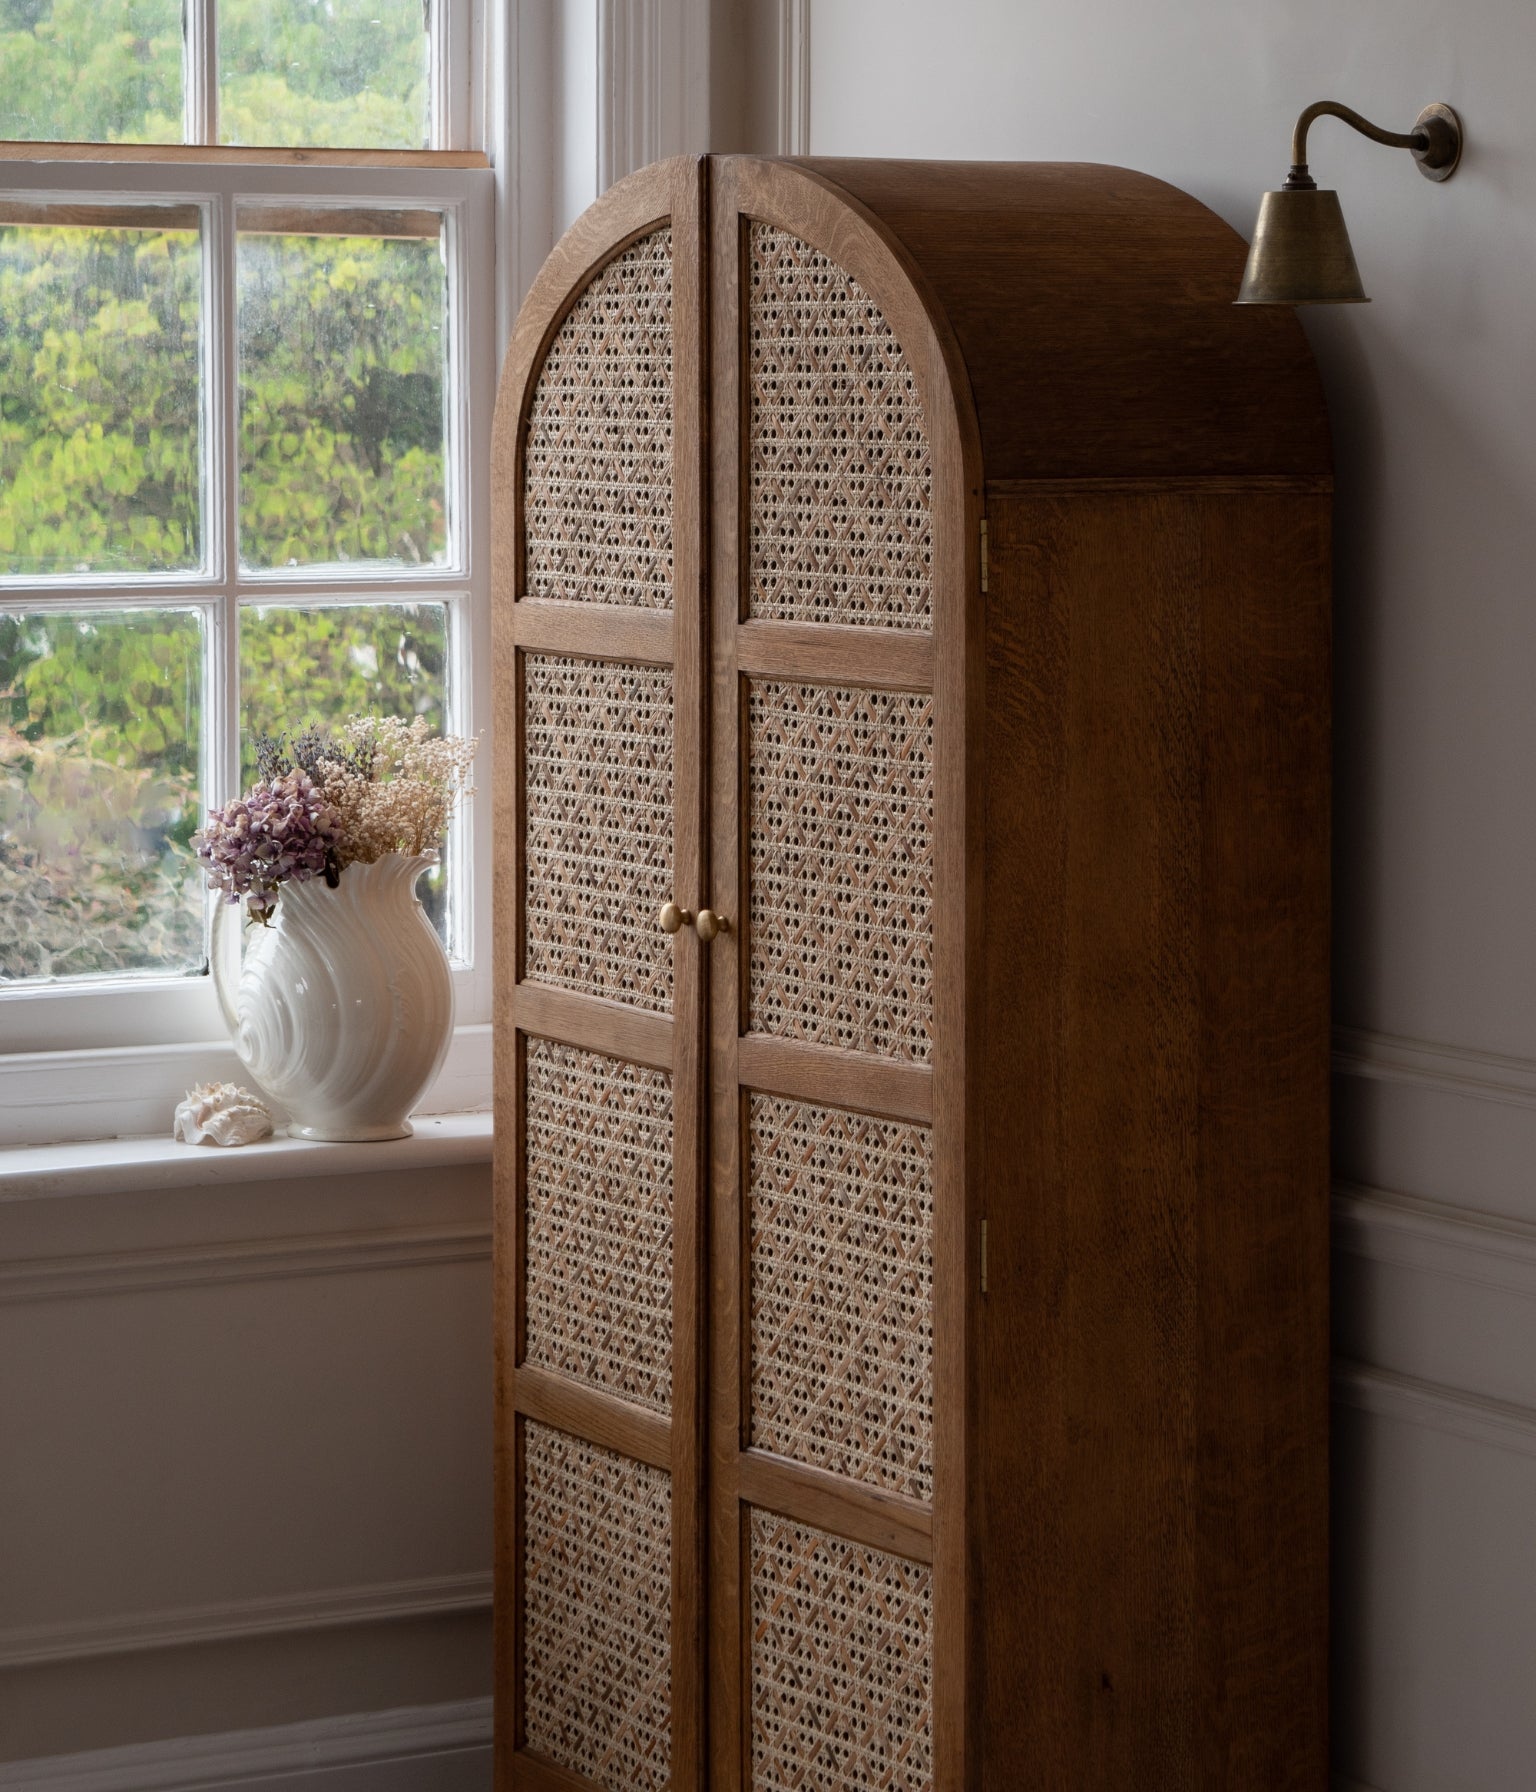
x: 344, y: 1006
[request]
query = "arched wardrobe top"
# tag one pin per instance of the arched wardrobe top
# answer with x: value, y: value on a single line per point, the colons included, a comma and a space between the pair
x: 1085, y: 310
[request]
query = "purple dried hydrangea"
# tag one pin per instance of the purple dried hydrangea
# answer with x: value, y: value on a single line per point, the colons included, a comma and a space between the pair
x: 283, y: 831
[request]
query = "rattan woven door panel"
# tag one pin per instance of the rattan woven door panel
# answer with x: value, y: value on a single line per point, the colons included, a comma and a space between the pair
x: 598, y: 1145
x: 597, y: 1655
x: 840, y: 867
x: 841, y: 1663
x: 598, y: 827
x: 840, y: 1276
x: 598, y: 473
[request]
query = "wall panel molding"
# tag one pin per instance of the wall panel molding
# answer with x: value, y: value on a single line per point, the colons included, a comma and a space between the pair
x: 286, y: 1756
x: 1477, y: 1418
x: 1424, y: 1063
x: 80, y: 1276
x: 794, y: 78
x: 1465, y: 1244
x: 652, y: 83
x: 89, y: 1639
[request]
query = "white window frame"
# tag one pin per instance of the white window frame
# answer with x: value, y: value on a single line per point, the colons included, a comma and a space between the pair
x: 82, y: 1060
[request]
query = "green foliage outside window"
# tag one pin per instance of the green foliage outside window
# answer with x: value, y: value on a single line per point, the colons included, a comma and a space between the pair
x: 348, y: 74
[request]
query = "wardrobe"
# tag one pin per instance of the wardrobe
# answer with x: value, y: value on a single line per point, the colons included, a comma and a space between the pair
x: 911, y: 803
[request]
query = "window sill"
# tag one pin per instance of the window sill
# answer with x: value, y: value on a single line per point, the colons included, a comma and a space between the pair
x: 125, y: 1166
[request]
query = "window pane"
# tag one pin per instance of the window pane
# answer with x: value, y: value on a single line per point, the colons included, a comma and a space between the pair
x: 342, y: 427
x: 344, y: 74
x: 100, y: 720
x: 91, y: 71
x: 99, y: 411
x: 307, y: 667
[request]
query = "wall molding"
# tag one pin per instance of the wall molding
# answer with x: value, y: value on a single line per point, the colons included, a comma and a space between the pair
x: 794, y: 78
x: 80, y: 1276
x: 652, y: 83
x: 285, y: 1754
x: 234, y: 1620
x: 1476, y: 1418
x: 1461, y: 1243
x: 1428, y: 1064
x: 628, y: 87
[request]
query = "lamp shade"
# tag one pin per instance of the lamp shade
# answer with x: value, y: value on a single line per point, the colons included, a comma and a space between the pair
x: 1301, y: 253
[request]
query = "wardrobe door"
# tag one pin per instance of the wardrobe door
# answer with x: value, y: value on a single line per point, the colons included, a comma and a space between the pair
x: 837, y: 1498
x: 599, y: 794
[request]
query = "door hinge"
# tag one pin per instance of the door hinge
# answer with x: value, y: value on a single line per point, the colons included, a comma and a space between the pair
x: 983, y: 553
x: 983, y: 1256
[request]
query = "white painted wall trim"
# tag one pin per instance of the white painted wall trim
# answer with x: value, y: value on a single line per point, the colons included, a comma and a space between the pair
x: 135, y: 1088
x: 1448, y: 1069
x: 628, y: 87
x: 652, y: 83
x: 1464, y: 1244
x: 131, y: 1633
x: 794, y: 77
x: 154, y: 1165
x: 75, y: 1277
x: 285, y: 1753
x: 1500, y: 1424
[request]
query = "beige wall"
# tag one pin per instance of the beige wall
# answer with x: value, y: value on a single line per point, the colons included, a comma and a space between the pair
x: 261, y: 1453
x: 245, y: 1473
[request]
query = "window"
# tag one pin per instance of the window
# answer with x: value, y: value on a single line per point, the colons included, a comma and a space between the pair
x: 242, y: 459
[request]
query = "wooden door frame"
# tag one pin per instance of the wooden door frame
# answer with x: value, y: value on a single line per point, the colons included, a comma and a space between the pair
x: 948, y: 662
x: 671, y: 193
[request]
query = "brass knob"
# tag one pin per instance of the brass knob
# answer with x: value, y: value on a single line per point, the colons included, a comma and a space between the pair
x: 673, y: 919
x: 709, y: 924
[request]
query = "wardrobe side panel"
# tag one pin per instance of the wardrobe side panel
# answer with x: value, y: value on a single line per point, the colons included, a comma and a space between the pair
x: 1153, y: 1342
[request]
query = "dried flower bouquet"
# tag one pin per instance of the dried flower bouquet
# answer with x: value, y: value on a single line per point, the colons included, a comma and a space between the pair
x: 323, y: 802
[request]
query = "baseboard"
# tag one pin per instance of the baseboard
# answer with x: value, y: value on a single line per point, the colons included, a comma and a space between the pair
x: 423, y: 1748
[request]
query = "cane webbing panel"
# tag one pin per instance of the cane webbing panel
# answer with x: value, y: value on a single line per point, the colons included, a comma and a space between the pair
x: 598, y: 1221
x: 840, y: 859
x: 597, y: 482
x: 840, y: 1218
x: 597, y: 1602
x: 842, y: 1664
x: 597, y: 827
x: 840, y: 480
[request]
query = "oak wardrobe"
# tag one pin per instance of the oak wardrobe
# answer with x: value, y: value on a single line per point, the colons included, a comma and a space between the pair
x: 912, y: 744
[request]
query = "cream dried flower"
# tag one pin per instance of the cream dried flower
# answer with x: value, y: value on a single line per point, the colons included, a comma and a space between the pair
x: 406, y: 804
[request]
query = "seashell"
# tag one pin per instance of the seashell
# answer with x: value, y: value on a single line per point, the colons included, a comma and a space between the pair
x: 221, y: 1114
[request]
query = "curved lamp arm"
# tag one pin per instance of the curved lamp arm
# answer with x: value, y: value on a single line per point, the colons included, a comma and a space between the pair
x: 1435, y: 140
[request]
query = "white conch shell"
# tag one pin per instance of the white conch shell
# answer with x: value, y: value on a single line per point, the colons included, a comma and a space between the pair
x: 222, y: 1114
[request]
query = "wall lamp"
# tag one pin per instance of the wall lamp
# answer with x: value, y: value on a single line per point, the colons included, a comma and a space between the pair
x: 1301, y: 253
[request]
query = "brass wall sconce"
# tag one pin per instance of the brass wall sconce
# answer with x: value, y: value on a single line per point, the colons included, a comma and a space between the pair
x: 1301, y: 253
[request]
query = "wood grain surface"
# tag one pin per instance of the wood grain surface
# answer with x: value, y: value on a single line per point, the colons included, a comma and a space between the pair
x: 1128, y: 1078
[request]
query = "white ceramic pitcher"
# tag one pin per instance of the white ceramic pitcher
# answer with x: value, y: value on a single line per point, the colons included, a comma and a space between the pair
x: 344, y: 1006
